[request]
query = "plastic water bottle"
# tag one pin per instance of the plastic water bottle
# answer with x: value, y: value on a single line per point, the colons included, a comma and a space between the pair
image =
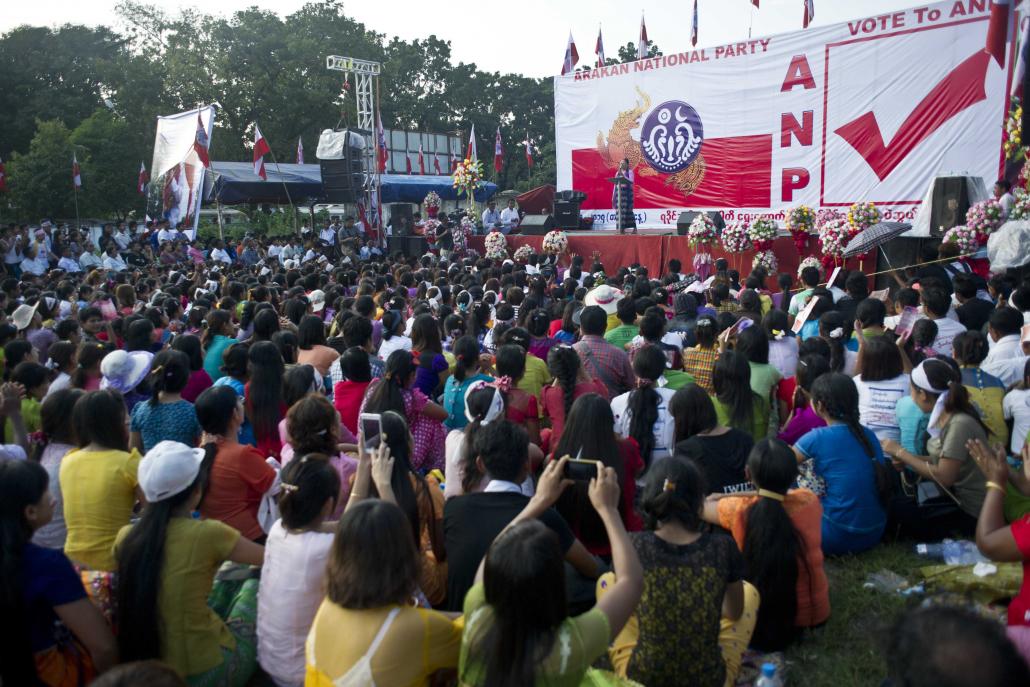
x: 934, y: 550
x: 961, y: 553
x: 769, y: 677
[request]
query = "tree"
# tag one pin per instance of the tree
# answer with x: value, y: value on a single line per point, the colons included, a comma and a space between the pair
x: 111, y: 166
x: 41, y: 179
x: 628, y: 52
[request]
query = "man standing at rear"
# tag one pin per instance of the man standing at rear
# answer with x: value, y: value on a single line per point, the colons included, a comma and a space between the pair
x: 601, y: 359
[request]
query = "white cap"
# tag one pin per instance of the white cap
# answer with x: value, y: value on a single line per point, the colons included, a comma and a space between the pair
x: 168, y: 468
x: 22, y: 316
x: 317, y: 300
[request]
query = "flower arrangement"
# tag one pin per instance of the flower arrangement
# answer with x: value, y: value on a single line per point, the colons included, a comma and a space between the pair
x: 800, y: 222
x: 1011, y: 136
x: 765, y: 259
x: 984, y: 218
x: 496, y: 246
x: 522, y: 253
x: 833, y: 237
x: 702, y: 231
x: 1021, y: 208
x: 556, y: 242
x: 735, y: 237
x: 810, y: 261
x: 428, y: 228
x: 468, y: 175
x: 862, y: 216
x: 466, y: 228
x: 432, y: 200
x: 825, y: 215
x: 762, y: 232
x: 965, y: 237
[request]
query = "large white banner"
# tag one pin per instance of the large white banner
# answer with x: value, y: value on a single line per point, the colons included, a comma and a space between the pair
x: 177, y: 174
x: 866, y: 110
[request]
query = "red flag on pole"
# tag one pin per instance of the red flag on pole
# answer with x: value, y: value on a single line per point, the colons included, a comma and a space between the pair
x: 809, y: 12
x: 260, y: 150
x: 473, y: 154
x: 300, y: 150
x: 599, y: 49
x: 421, y: 161
x: 755, y: 3
x: 693, y: 27
x: 642, y: 41
x: 141, y: 182
x: 529, y: 154
x: 997, y: 31
x: 381, y: 152
x: 3, y: 176
x: 571, y: 56
x: 201, y: 142
x: 436, y: 164
x: 498, y: 152
x: 76, y: 176
x: 407, y: 161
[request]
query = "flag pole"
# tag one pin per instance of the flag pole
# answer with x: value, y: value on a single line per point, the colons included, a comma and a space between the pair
x: 751, y: 22
x: 75, y: 194
x: 285, y: 188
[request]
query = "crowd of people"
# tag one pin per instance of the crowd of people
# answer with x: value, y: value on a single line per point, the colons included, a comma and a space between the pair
x: 579, y: 474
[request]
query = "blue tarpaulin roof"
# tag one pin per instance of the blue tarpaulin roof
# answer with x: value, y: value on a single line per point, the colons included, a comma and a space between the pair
x: 233, y: 183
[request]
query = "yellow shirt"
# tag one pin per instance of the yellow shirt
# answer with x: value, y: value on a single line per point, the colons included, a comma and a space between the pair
x: 418, y: 643
x: 535, y: 377
x: 99, y: 490
x: 193, y: 635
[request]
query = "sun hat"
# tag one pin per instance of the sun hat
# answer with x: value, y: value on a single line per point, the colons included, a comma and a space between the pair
x: 124, y: 371
x: 605, y: 297
x: 317, y: 300
x: 168, y: 469
x: 22, y: 316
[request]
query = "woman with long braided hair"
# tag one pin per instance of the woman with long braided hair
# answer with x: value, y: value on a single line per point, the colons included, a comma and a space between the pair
x: 846, y: 467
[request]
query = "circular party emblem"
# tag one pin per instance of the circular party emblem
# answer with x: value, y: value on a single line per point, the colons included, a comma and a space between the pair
x: 671, y: 137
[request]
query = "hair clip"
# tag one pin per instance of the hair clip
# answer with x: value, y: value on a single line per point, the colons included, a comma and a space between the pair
x: 668, y: 485
x: 289, y: 488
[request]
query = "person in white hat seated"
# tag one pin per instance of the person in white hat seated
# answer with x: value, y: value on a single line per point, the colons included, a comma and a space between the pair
x: 123, y: 372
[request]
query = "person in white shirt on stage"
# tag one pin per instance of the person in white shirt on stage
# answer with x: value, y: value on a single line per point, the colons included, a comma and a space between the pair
x: 112, y: 261
x: 1003, y: 194
x: 491, y: 217
x: 219, y: 254
x: 509, y: 217
x: 68, y: 263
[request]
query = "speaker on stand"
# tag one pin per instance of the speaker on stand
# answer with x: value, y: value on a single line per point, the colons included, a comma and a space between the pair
x: 341, y: 162
x: 949, y: 204
x: 536, y: 225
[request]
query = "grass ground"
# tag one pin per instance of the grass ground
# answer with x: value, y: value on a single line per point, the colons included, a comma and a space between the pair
x: 848, y: 649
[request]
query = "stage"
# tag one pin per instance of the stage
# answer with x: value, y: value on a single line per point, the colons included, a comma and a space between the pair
x: 652, y: 248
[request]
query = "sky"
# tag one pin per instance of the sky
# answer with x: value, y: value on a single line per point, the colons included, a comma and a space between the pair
x: 526, y: 37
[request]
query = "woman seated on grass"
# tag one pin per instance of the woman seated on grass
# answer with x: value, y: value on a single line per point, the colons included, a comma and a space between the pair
x: 778, y: 529
x: 845, y: 467
x: 166, y: 570
x: 517, y: 628
x: 367, y: 632
x: 696, y: 615
x: 53, y: 634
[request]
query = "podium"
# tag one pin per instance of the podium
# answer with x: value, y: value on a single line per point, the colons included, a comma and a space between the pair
x: 622, y: 185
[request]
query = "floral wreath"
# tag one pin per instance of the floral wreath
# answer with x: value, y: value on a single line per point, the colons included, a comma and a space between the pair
x: 765, y: 259
x: 735, y: 238
x: 702, y: 231
x: 496, y: 246
x: 984, y: 218
x: 762, y: 233
x: 965, y: 237
x: 555, y: 242
x: 432, y: 200
x: 800, y: 223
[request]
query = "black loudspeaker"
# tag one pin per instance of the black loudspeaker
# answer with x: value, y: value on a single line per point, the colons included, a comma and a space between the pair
x: 401, y: 219
x: 536, y: 225
x: 343, y: 180
x: 948, y: 204
x: 566, y: 214
x: 685, y: 218
x: 410, y: 246
x: 572, y: 196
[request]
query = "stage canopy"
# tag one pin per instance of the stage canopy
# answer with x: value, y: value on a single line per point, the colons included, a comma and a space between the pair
x: 234, y: 183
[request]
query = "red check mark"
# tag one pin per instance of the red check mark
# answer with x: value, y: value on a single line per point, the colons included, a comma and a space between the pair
x: 962, y: 88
